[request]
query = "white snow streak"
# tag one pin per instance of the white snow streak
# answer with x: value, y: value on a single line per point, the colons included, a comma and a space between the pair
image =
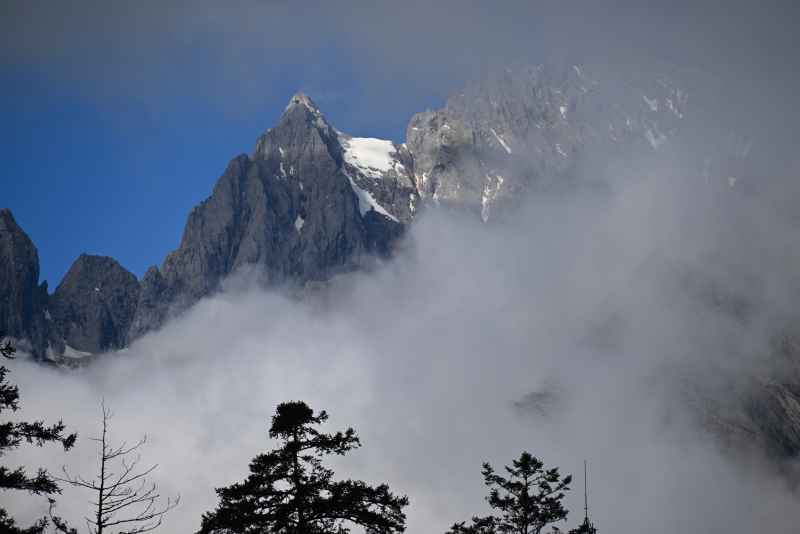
x: 489, y: 194
x: 655, y: 138
x: 652, y: 104
x: 500, y: 140
x: 366, y: 202
x: 75, y: 354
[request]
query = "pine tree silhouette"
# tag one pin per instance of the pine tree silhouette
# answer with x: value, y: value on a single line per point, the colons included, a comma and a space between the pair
x: 12, y: 435
x: 527, y: 501
x: 290, y: 492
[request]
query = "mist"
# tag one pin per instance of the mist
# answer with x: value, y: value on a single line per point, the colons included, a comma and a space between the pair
x: 622, y: 319
x: 598, y: 323
x: 243, y: 56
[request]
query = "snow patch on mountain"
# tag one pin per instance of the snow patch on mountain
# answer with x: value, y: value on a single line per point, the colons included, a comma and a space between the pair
x: 490, y: 192
x: 372, y: 157
x: 366, y: 202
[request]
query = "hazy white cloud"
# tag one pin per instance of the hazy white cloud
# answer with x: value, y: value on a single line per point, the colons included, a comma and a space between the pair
x: 621, y: 306
x: 605, y: 301
x: 391, y: 56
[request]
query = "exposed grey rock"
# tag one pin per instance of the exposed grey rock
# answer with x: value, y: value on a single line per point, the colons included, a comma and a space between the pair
x: 22, y: 299
x: 153, y: 306
x: 524, y: 128
x: 94, y: 304
x: 312, y: 201
x: 448, y: 163
x: 384, y: 171
x: 774, y: 413
x: 772, y: 403
x: 291, y: 210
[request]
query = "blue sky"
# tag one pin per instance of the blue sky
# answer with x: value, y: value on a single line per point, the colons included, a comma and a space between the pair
x: 118, y: 117
x: 114, y: 178
x: 117, y: 174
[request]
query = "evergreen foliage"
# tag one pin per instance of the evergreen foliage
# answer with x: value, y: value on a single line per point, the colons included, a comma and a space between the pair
x: 12, y: 435
x: 584, y: 528
x: 527, y: 501
x: 289, y: 491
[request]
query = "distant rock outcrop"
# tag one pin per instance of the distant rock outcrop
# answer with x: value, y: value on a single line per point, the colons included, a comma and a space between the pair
x: 525, y: 128
x: 301, y: 209
x: 22, y: 299
x: 94, y: 304
x: 311, y: 202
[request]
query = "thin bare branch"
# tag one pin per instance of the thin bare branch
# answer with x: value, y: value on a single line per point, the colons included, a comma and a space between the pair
x: 123, y: 489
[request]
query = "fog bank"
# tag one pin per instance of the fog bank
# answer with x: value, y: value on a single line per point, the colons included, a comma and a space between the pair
x: 587, y: 326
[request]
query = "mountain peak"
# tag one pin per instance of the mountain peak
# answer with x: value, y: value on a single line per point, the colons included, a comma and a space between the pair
x: 5, y: 214
x: 301, y: 99
x: 301, y: 118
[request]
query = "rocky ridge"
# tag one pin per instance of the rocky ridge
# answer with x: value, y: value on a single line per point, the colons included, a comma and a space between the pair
x: 22, y: 298
x: 311, y: 202
x: 93, y: 306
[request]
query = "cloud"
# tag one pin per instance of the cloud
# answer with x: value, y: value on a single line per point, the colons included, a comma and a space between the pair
x: 610, y: 302
x: 246, y: 55
x: 630, y: 309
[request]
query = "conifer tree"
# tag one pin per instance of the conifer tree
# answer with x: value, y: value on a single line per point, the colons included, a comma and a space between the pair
x: 289, y: 491
x: 12, y: 435
x: 527, y: 501
x: 584, y: 528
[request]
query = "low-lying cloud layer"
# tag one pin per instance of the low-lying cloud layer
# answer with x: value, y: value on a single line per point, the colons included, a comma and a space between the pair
x: 583, y: 327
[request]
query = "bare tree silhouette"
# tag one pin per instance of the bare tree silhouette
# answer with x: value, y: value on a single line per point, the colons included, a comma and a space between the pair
x: 124, y: 501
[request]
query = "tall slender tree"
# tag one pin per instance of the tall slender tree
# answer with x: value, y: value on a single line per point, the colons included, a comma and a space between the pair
x: 289, y: 491
x: 527, y: 501
x: 12, y: 435
x: 125, y: 502
x: 587, y: 527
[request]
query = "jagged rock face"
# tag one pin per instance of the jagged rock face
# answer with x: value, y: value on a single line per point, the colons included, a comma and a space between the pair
x: 155, y: 298
x: 381, y: 173
x: 447, y: 157
x: 293, y: 210
x: 22, y: 299
x: 94, y: 304
x: 774, y: 411
x: 312, y: 201
x: 531, y: 127
x: 772, y: 404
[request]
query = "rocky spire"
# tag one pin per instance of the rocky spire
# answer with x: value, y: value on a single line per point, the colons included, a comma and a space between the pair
x: 22, y: 299
x: 290, y: 211
x: 301, y: 122
x: 301, y: 99
x: 94, y: 304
